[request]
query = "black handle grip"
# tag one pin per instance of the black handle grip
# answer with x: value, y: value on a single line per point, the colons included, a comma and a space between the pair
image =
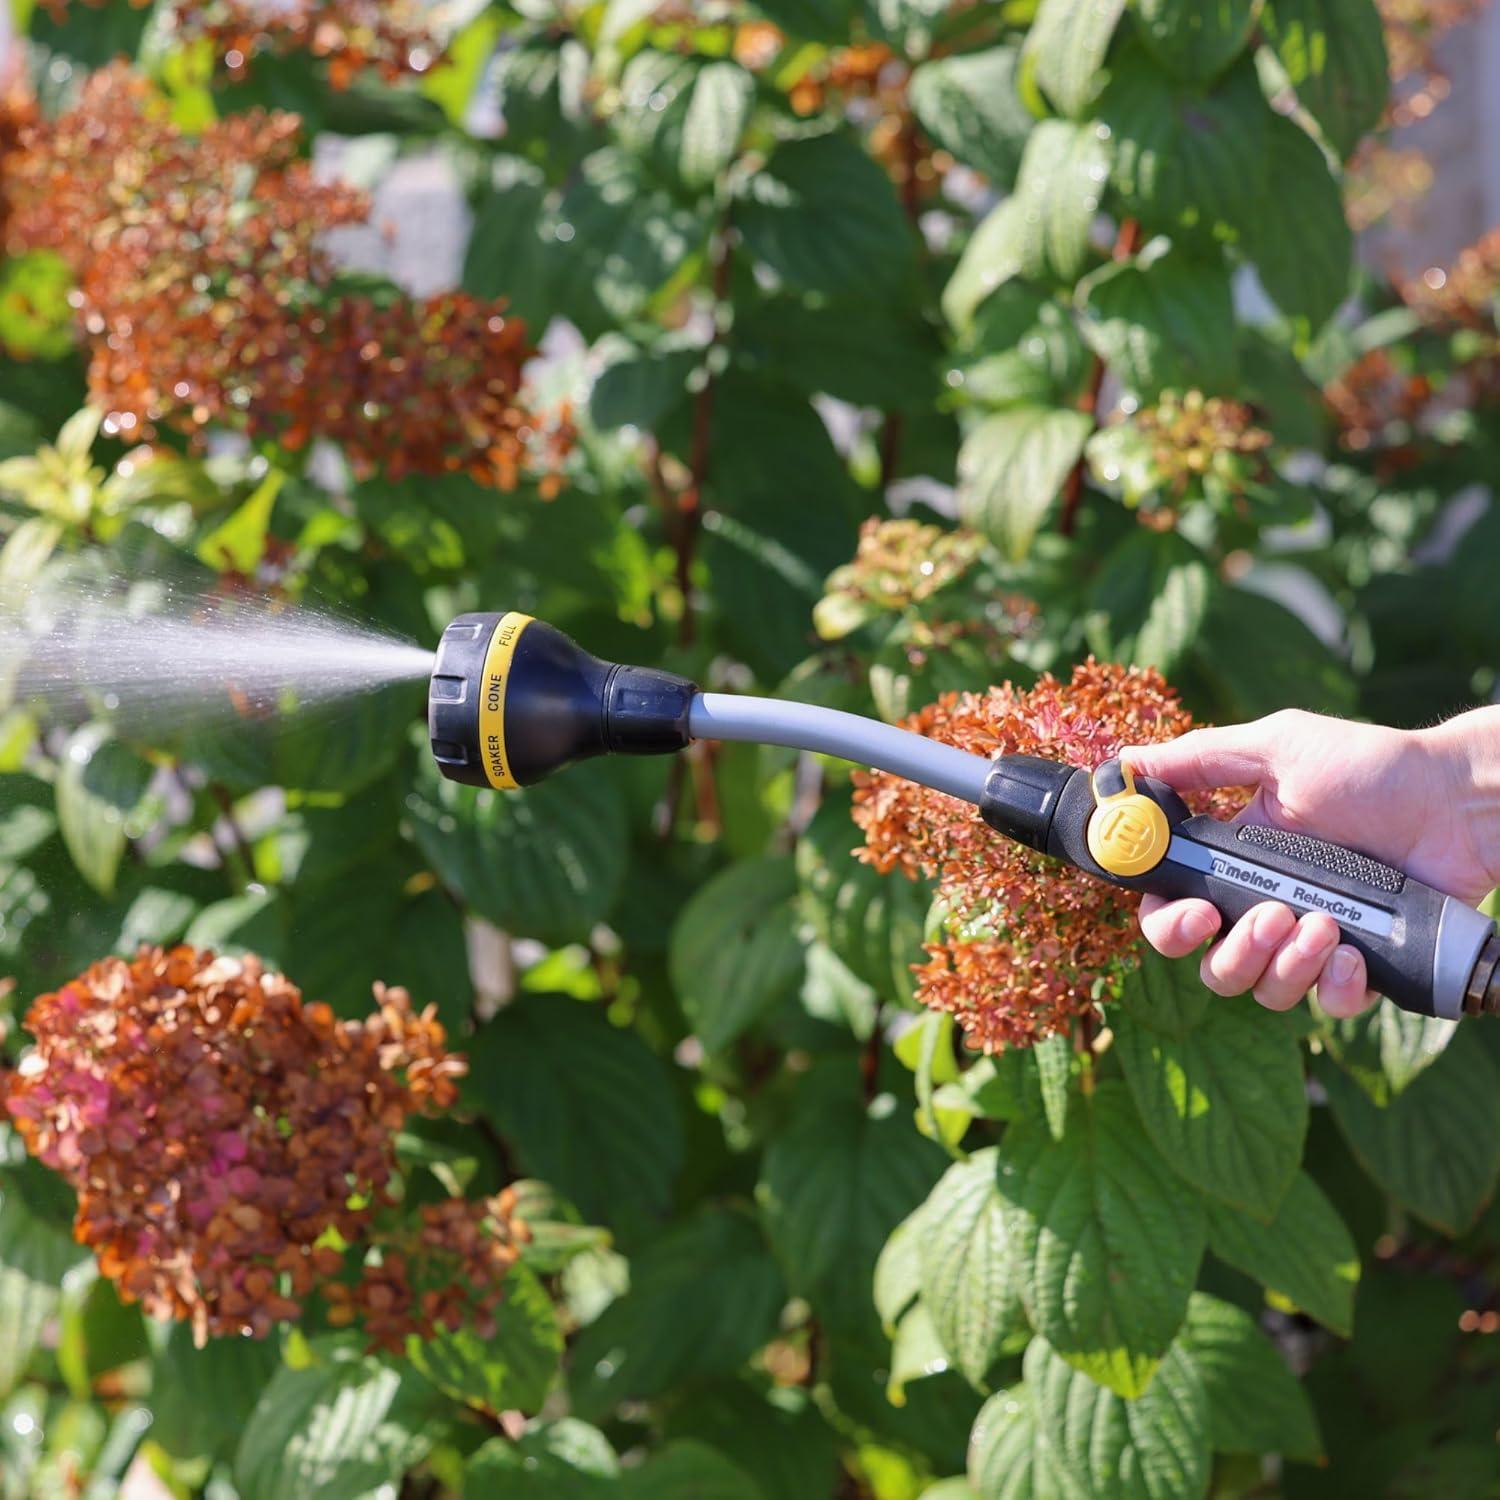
x: 1420, y: 946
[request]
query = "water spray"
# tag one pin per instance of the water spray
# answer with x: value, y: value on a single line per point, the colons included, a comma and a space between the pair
x: 512, y: 700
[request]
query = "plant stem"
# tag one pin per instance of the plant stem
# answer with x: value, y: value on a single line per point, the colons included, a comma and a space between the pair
x: 220, y: 794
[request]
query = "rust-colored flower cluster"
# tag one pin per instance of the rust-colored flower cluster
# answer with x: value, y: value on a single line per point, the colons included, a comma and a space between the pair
x: 390, y: 37
x: 1194, y: 437
x: 1030, y: 942
x: 1463, y: 295
x: 206, y: 297
x: 231, y: 1146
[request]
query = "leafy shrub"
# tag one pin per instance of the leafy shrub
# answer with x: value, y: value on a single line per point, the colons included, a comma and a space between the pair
x: 722, y: 1204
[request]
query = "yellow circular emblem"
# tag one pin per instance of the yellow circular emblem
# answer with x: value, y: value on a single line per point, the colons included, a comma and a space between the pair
x: 1128, y: 834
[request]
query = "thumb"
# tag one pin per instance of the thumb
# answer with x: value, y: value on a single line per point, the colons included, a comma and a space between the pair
x: 1236, y: 755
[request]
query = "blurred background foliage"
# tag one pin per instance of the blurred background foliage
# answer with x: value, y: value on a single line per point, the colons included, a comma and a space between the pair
x: 1068, y: 287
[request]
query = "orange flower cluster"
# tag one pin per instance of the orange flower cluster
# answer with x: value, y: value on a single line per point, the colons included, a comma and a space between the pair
x: 206, y: 297
x: 391, y: 37
x: 1465, y: 294
x: 1195, y: 438
x: 228, y: 1141
x: 1030, y: 942
x: 1376, y: 402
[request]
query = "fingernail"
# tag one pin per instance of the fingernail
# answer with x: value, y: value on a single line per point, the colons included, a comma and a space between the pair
x: 1313, y: 938
x: 1269, y: 926
x: 1342, y: 965
x: 1197, y: 927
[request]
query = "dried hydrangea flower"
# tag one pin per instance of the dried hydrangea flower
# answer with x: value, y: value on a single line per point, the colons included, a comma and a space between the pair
x: 1030, y: 942
x: 222, y: 1135
x: 206, y: 297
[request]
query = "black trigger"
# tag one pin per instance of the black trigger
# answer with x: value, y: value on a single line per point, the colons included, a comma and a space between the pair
x: 1109, y: 780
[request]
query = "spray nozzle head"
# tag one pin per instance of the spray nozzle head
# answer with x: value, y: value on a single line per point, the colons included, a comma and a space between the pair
x: 512, y: 700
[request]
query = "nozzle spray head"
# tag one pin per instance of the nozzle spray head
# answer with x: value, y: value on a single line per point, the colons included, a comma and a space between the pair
x: 512, y: 700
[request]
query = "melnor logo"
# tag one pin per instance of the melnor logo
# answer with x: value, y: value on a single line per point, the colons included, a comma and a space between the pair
x: 1246, y: 875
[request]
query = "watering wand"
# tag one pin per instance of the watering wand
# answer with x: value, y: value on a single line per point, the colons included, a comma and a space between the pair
x: 512, y: 700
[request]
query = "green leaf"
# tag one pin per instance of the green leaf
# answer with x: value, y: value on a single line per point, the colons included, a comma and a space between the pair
x: 1187, y: 158
x: 36, y: 1222
x: 1162, y: 322
x: 238, y: 544
x: 511, y: 1371
x: 812, y: 20
x: 1150, y: 597
x: 1387, y: 1048
x: 898, y: 1269
x: 834, y: 1183
x: 1022, y: 349
x: 1334, y: 55
x: 683, y: 114
x: 1255, y: 1404
x: 687, y: 1470
x: 546, y: 862
x: 1436, y: 1147
x: 1106, y: 1236
x: 702, y: 1299
x: 25, y: 1307
x: 1066, y: 48
x: 1196, y: 39
x: 735, y: 951
x: 542, y: 87
x: 585, y: 1105
x: 1012, y: 468
x: 202, y: 1398
x: 23, y: 556
x: 968, y: 1281
x: 100, y: 787
x: 874, y: 923
x: 824, y: 218
x: 562, y: 1460
x: 1054, y: 1069
x: 1040, y: 232
x: 638, y: 385
x: 617, y: 240
x: 506, y: 255
x: 1304, y: 1255
x: 1223, y: 1099
x: 1060, y: 1435
x: 917, y: 1353
x: 336, y: 1429
x: 777, y: 1436
x: 1299, y: 239
x: 969, y: 107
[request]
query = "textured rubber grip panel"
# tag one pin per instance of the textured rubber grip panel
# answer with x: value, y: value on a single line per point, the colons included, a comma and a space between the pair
x: 1331, y: 857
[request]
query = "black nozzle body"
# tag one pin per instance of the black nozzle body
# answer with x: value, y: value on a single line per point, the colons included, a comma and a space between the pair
x: 1021, y: 797
x: 512, y: 700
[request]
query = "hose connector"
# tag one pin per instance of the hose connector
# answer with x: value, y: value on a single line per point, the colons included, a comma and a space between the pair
x: 1482, y: 997
x: 512, y: 700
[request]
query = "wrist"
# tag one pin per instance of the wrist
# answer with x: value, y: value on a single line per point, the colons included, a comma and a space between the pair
x: 1465, y: 754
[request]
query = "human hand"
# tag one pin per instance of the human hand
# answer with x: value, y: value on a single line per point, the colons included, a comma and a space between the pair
x: 1426, y: 801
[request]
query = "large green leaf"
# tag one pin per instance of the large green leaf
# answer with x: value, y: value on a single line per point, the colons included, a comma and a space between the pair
x: 26, y: 1306
x: 336, y: 1429
x: 735, y: 950
x: 541, y: 86
x: 688, y: 1470
x: 1300, y: 240
x: 873, y: 922
x: 1040, y: 232
x: 702, y: 1299
x: 1388, y: 1048
x: 1059, y: 1436
x: 1255, y: 1404
x: 1196, y: 39
x: 562, y: 1460
x: 1150, y: 597
x: 1162, y: 322
x: 684, y: 114
x: 100, y: 786
x: 823, y: 217
x: 777, y: 1436
x: 510, y: 1371
x: 617, y: 239
x: 586, y: 1106
x: 968, y: 1281
x: 1022, y: 349
x: 969, y: 106
x: 545, y: 862
x: 202, y: 1398
x: 1436, y: 1146
x: 1334, y: 54
x: 1012, y: 468
x: 1067, y: 45
x: 1304, y: 1256
x: 835, y: 1180
x: 506, y: 255
x: 1107, y: 1238
x: 1187, y: 159
x: 1223, y: 1098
